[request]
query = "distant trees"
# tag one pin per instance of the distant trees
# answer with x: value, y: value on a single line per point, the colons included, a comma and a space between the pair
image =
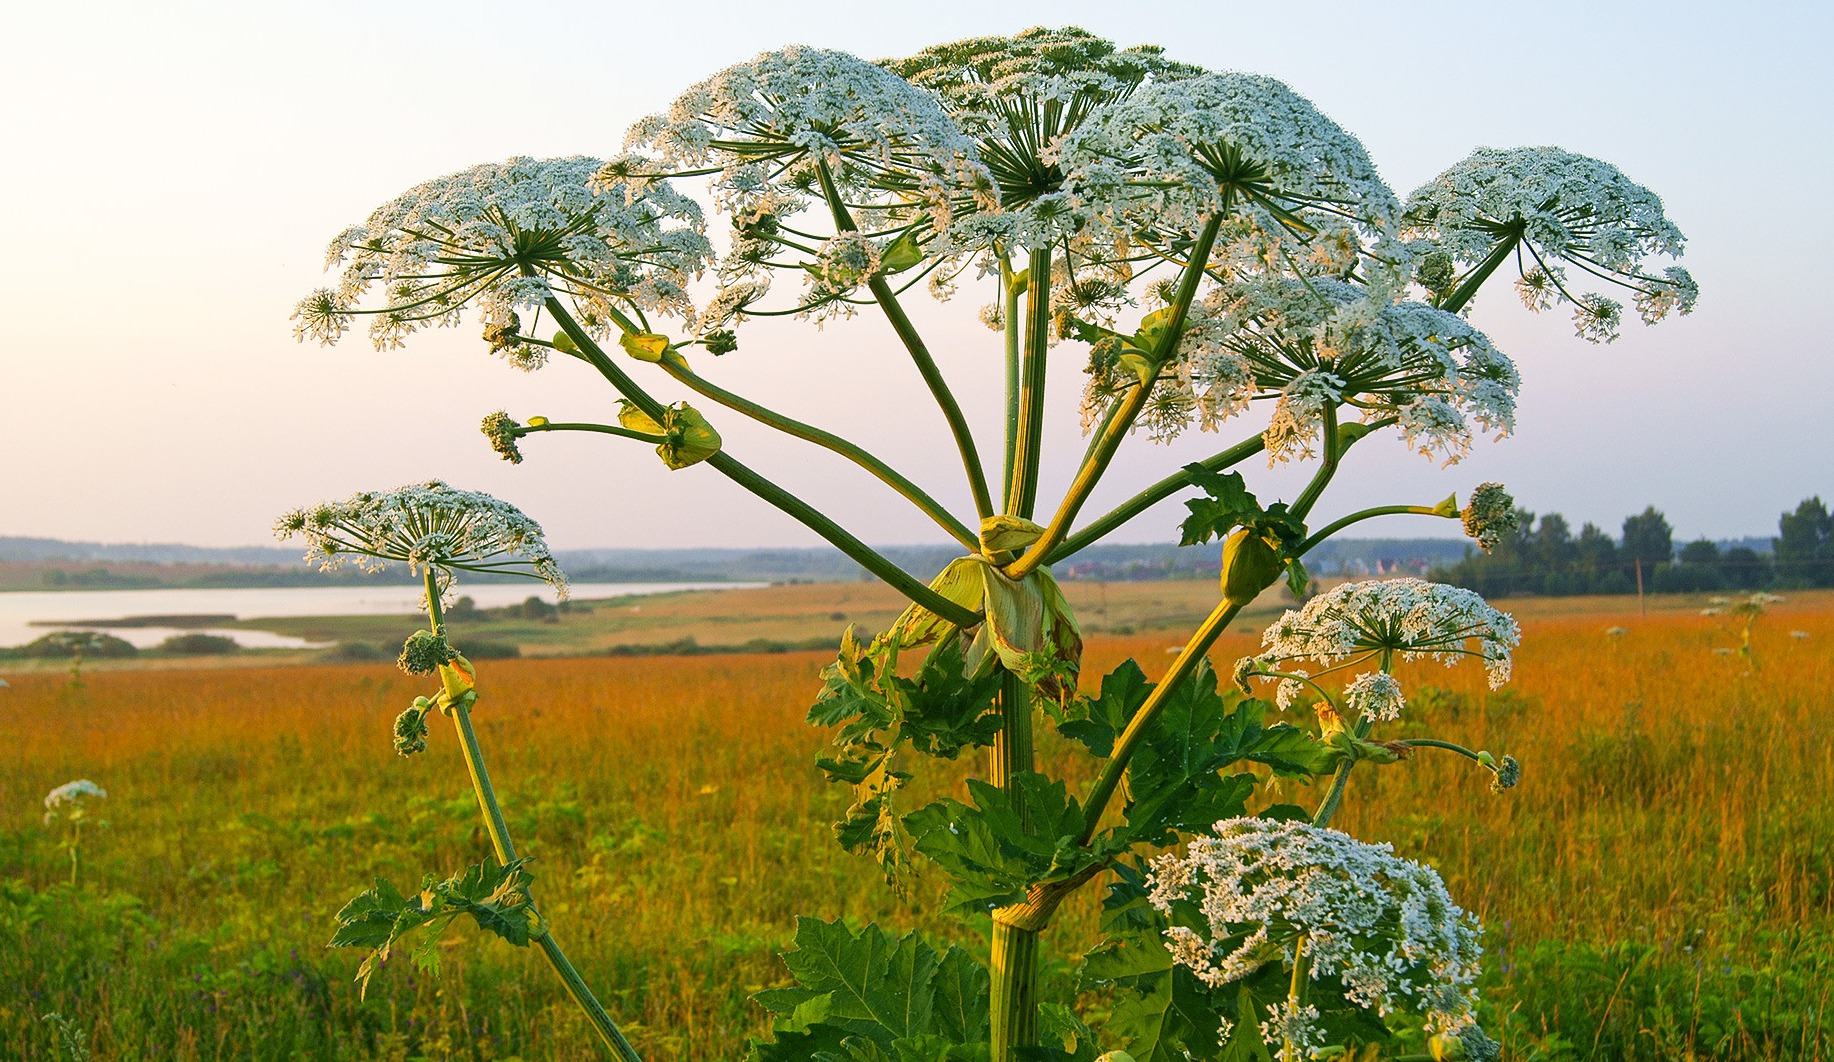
x: 1544, y: 556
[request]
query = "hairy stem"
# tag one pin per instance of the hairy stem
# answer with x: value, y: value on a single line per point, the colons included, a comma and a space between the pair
x: 830, y: 441
x: 610, y: 1038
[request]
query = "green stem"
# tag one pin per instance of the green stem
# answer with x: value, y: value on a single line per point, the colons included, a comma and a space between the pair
x: 1028, y: 442
x: 1468, y: 290
x: 1013, y: 750
x: 1188, y: 659
x: 1295, y: 992
x: 1015, y: 986
x: 1118, y: 426
x: 1334, y: 798
x: 1152, y: 496
x: 828, y: 440
x: 862, y: 554
x: 1368, y: 514
x: 920, y: 355
x: 1434, y: 743
x: 605, y: 429
x: 1011, y: 288
x: 76, y: 851
x: 1334, y: 452
x: 609, y: 1036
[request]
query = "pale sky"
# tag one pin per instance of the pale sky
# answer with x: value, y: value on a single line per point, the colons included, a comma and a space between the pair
x: 172, y: 172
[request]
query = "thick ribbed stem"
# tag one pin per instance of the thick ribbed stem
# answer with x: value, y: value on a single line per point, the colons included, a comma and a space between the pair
x: 1015, y: 990
x: 1028, y: 441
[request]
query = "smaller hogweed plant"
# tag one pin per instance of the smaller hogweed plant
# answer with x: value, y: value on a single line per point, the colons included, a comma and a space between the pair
x: 1743, y: 614
x: 438, y: 531
x: 1218, y: 254
x: 70, y: 804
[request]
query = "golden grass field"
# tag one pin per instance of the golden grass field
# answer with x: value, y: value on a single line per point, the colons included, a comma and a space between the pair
x: 1661, y: 885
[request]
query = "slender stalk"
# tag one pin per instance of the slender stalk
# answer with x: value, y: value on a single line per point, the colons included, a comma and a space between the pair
x: 1028, y: 429
x: 1152, y: 496
x: 1334, y: 797
x: 802, y: 511
x: 76, y: 851
x: 1119, y: 425
x: 1010, y: 290
x: 609, y: 1036
x: 1368, y: 514
x: 1188, y: 659
x: 605, y: 429
x: 1295, y: 992
x: 920, y: 355
x: 828, y: 440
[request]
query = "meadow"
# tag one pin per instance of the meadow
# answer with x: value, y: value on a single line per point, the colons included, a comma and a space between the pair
x: 1660, y: 886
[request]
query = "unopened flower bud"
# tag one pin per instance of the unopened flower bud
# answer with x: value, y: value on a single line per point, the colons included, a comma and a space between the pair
x: 424, y: 652
x: 1508, y: 773
x: 1489, y: 515
x: 503, y: 335
x: 503, y: 433
x: 721, y: 341
x: 411, y: 728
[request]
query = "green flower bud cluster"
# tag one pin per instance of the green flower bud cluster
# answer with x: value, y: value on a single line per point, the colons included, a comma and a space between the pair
x: 411, y: 728
x: 503, y: 432
x: 1508, y: 774
x: 424, y: 652
x: 721, y: 341
x: 1489, y: 515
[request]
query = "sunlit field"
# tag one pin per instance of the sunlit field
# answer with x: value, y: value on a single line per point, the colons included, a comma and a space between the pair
x: 1661, y: 884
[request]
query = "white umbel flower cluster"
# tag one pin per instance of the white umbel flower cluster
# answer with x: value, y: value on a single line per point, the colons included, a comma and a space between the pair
x: 1408, y: 619
x: 509, y: 236
x: 425, y: 526
x: 1561, y: 206
x: 1383, y: 925
x: 1175, y: 153
x: 67, y: 801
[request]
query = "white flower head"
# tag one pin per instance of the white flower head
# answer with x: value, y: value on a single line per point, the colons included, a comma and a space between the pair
x: 68, y: 801
x: 1385, y: 927
x: 426, y: 526
x: 1177, y: 152
x: 1018, y: 98
x: 509, y: 236
x: 1555, y: 206
x: 1406, y: 618
x: 1375, y: 694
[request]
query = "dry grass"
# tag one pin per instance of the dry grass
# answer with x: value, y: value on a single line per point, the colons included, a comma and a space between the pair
x: 1672, y: 800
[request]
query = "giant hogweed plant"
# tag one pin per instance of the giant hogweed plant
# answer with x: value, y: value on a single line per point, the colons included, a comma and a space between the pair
x: 1207, y: 242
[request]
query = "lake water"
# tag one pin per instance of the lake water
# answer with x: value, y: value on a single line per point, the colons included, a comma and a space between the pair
x: 27, y: 615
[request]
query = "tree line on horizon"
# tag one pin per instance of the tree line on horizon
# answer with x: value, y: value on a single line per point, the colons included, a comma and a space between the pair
x: 1544, y: 556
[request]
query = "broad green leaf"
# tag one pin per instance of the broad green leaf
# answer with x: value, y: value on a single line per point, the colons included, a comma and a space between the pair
x: 880, y: 988
x: 1097, y: 721
x: 988, y: 850
x: 381, y: 917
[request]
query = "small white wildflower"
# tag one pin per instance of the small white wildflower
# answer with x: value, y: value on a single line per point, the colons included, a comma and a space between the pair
x: 1799, y: 635
x: 427, y: 525
x: 1615, y: 632
x: 1293, y: 1029
x: 1407, y: 618
x: 1383, y: 926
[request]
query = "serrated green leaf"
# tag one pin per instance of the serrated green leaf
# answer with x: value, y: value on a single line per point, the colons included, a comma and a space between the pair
x: 1096, y: 721
x: 990, y: 852
x: 880, y: 988
x: 960, y: 1008
x: 495, y: 896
